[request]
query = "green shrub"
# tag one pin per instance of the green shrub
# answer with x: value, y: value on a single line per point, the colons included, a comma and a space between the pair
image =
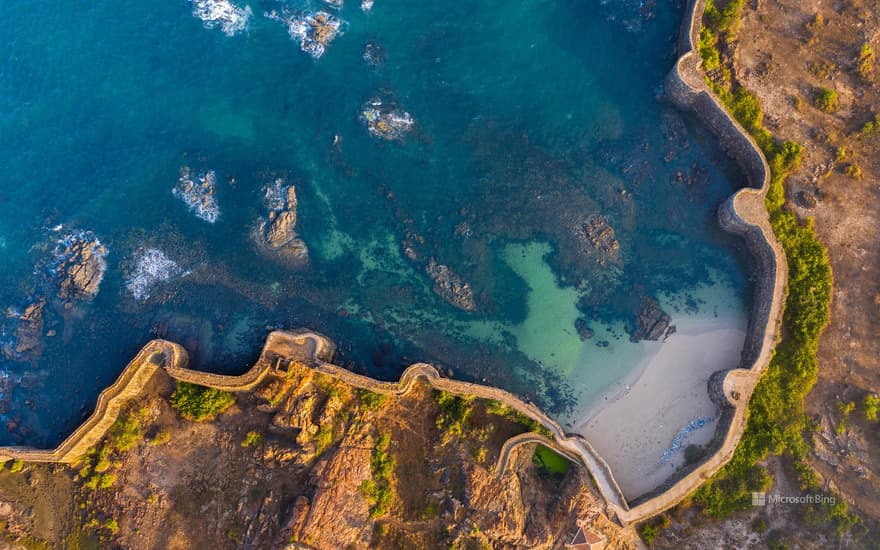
x: 111, y: 525
x: 17, y: 466
x: 865, y: 62
x: 252, y: 438
x: 125, y: 432
x: 854, y: 170
x: 162, y: 436
x: 195, y: 402
x: 871, y: 404
x: 708, y: 49
x: 371, y: 400
x: 454, y: 412
x: 827, y: 100
x: 324, y: 438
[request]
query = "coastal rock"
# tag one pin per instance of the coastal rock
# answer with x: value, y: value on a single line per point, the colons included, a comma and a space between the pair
x: 651, y: 321
x: 276, y: 233
x: 451, y: 287
x: 26, y: 342
x: 198, y: 192
x: 313, y: 30
x: 80, y: 265
x: 385, y: 121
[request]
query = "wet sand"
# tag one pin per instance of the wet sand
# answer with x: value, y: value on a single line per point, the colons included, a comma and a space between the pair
x: 632, y: 428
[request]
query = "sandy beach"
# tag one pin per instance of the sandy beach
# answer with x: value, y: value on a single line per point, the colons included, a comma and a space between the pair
x: 633, y: 428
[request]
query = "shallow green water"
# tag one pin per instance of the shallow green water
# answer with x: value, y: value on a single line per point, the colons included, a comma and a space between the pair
x: 530, y: 119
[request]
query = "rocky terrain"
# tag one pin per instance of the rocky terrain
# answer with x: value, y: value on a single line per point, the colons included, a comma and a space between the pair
x: 302, y: 462
x: 276, y: 234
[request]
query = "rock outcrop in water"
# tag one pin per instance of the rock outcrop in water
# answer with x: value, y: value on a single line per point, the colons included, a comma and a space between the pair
x: 80, y: 265
x: 601, y: 236
x: 451, y: 287
x: 26, y: 341
x: 199, y: 193
x: 313, y: 30
x: 385, y: 121
x: 651, y: 321
x: 276, y: 233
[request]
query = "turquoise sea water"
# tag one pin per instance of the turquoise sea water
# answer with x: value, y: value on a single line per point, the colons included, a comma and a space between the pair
x: 531, y: 118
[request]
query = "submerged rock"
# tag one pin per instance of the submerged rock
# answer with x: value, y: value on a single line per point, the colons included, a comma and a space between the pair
x: 385, y: 121
x: 26, y: 343
x: 151, y: 266
x: 276, y: 232
x: 80, y: 263
x: 451, y: 287
x: 601, y: 236
x: 374, y: 54
x: 583, y: 328
x: 199, y: 193
x: 651, y: 321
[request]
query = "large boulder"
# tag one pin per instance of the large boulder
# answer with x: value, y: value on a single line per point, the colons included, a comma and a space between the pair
x: 80, y: 261
x: 651, y: 321
x: 276, y: 232
x: 451, y: 287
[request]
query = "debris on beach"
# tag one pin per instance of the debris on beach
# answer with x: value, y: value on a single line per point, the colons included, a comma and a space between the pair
x: 198, y: 193
x: 276, y: 232
x: 230, y: 18
x: 681, y: 437
x: 151, y: 267
x: 79, y: 262
x: 313, y: 30
x: 385, y: 120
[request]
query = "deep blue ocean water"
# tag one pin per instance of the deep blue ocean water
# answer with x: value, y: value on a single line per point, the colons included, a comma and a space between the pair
x: 530, y: 119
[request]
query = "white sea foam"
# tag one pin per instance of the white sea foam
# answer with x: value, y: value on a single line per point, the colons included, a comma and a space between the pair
x: 223, y: 14
x: 366, y: 5
x: 313, y: 30
x: 151, y: 266
x: 199, y: 193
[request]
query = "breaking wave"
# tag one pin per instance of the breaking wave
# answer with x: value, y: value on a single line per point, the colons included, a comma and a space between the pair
x: 151, y: 266
x: 230, y: 18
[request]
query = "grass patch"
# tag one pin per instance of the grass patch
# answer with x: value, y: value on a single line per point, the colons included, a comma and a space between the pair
x: 550, y: 462
x: 198, y: 403
x: 379, y: 490
x: 370, y: 400
x: 454, y: 413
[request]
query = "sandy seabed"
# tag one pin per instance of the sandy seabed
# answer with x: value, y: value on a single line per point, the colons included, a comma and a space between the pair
x: 632, y: 428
